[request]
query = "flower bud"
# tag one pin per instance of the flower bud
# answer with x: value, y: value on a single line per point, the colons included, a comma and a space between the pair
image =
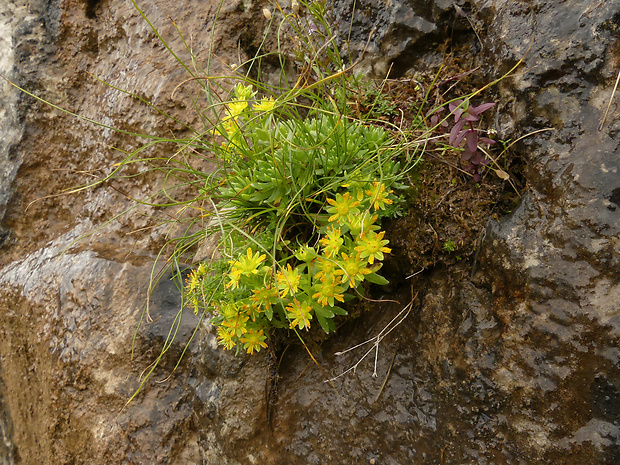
x: 267, y: 13
x: 306, y: 254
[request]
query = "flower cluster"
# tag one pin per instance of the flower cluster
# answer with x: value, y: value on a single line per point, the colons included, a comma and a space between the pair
x: 322, y: 182
x: 239, y: 112
x: 262, y: 294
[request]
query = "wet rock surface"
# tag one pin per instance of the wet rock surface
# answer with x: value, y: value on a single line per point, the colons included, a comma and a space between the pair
x: 514, y: 360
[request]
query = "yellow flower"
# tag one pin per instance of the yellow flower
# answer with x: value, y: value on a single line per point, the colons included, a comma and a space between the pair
x: 266, y: 104
x: 237, y: 324
x: 372, y: 245
x: 328, y: 290
x: 192, y: 287
x: 300, y: 313
x: 234, y: 275
x: 288, y: 279
x: 378, y: 195
x: 326, y: 267
x: 253, y: 340
x: 343, y: 208
x: 332, y: 242
x: 235, y: 108
x: 192, y: 280
x: 361, y: 224
x: 264, y: 297
x: 354, y: 269
x: 248, y: 264
x: 225, y: 338
x: 228, y: 127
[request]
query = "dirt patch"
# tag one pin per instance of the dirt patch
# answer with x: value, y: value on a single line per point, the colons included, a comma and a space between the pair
x: 447, y: 210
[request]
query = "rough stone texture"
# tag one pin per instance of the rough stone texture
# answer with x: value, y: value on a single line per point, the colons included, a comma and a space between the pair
x: 69, y: 317
x: 12, y: 128
x: 517, y: 363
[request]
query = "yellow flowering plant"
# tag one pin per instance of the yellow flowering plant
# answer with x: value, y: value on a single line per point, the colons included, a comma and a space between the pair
x: 312, y: 284
x: 297, y: 203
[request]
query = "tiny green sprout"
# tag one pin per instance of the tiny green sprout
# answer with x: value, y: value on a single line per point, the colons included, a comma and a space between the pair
x: 306, y: 254
x: 449, y: 246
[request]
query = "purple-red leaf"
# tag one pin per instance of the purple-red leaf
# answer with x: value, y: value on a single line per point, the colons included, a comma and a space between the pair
x: 476, y: 158
x: 437, y: 118
x: 454, y: 105
x: 435, y: 111
x: 457, y: 133
x: 481, y: 108
x: 472, y: 140
x: 455, y: 108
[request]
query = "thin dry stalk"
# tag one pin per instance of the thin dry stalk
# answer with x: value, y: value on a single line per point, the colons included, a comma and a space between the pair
x: 393, y: 324
x: 611, y: 99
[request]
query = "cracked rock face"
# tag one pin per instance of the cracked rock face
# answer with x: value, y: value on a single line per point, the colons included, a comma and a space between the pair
x: 516, y: 362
